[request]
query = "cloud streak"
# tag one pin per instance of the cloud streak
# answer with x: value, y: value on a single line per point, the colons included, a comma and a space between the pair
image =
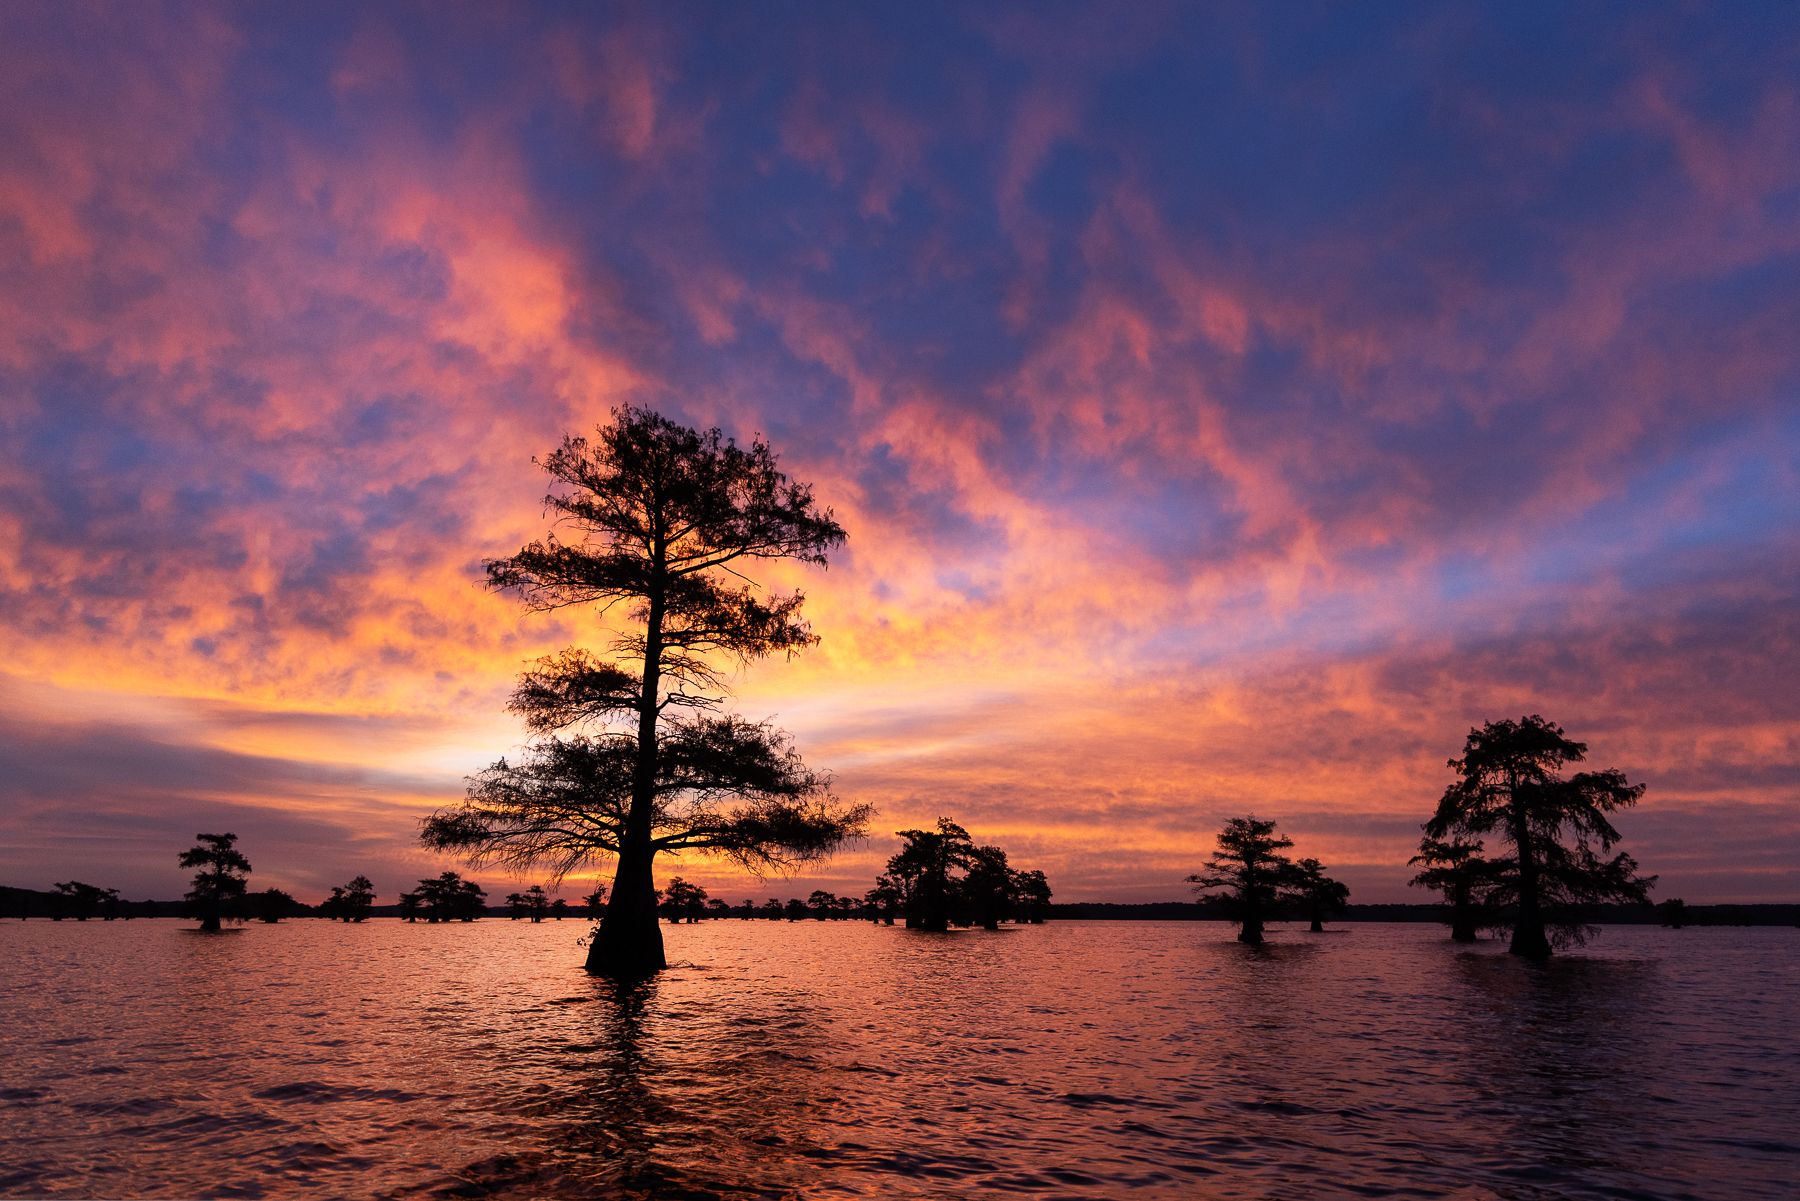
x: 1227, y: 411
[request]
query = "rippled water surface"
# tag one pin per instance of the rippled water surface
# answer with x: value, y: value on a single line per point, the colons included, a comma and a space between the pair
x: 1102, y: 1059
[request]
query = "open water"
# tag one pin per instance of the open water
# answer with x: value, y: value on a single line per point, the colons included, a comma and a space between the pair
x: 823, y: 1060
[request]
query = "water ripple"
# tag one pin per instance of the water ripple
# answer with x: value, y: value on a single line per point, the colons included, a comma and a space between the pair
x: 842, y: 1060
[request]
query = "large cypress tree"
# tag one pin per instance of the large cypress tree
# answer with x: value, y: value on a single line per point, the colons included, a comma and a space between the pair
x: 1509, y: 785
x: 633, y: 756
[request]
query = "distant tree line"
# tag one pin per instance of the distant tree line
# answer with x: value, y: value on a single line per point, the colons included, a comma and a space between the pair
x: 220, y: 893
x: 1556, y: 865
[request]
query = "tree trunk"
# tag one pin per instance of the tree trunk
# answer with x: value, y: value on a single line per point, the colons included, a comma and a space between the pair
x: 1528, y: 938
x: 1250, y: 926
x: 629, y: 943
x: 1462, y: 919
x: 1318, y: 927
x: 210, y: 920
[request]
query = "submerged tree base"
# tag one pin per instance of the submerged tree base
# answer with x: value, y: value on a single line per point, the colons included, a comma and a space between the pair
x: 628, y: 945
x: 621, y: 964
x: 1529, y: 942
x: 626, y: 956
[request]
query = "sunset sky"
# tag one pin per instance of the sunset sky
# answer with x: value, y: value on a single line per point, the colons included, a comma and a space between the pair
x: 1228, y: 406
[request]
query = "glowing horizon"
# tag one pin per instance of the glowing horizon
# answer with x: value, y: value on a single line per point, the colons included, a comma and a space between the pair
x: 1227, y: 413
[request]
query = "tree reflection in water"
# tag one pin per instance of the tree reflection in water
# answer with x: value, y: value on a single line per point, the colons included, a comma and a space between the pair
x: 1561, y: 1060
x: 662, y: 1104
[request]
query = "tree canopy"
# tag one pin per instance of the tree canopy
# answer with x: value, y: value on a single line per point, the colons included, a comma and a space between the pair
x: 683, y: 901
x: 271, y: 905
x: 350, y: 902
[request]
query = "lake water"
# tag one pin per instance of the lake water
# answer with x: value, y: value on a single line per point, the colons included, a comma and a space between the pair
x: 820, y: 1060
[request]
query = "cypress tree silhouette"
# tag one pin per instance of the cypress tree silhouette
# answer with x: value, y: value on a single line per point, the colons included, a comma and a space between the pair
x: 683, y: 901
x: 884, y: 900
x: 666, y: 518
x: 1456, y: 869
x: 449, y: 897
x: 924, y: 872
x: 1249, y: 866
x: 941, y: 878
x: 1508, y: 784
x: 220, y: 882
x: 1317, y: 893
x: 1032, y: 891
x: 350, y: 902
x: 86, y: 900
x: 989, y: 887
x: 271, y: 905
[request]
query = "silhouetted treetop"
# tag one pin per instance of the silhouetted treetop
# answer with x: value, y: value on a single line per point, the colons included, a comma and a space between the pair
x: 683, y: 901
x: 353, y: 901
x: 1033, y: 891
x: 448, y: 897
x: 272, y: 905
x: 1508, y: 776
x: 660, y: 508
